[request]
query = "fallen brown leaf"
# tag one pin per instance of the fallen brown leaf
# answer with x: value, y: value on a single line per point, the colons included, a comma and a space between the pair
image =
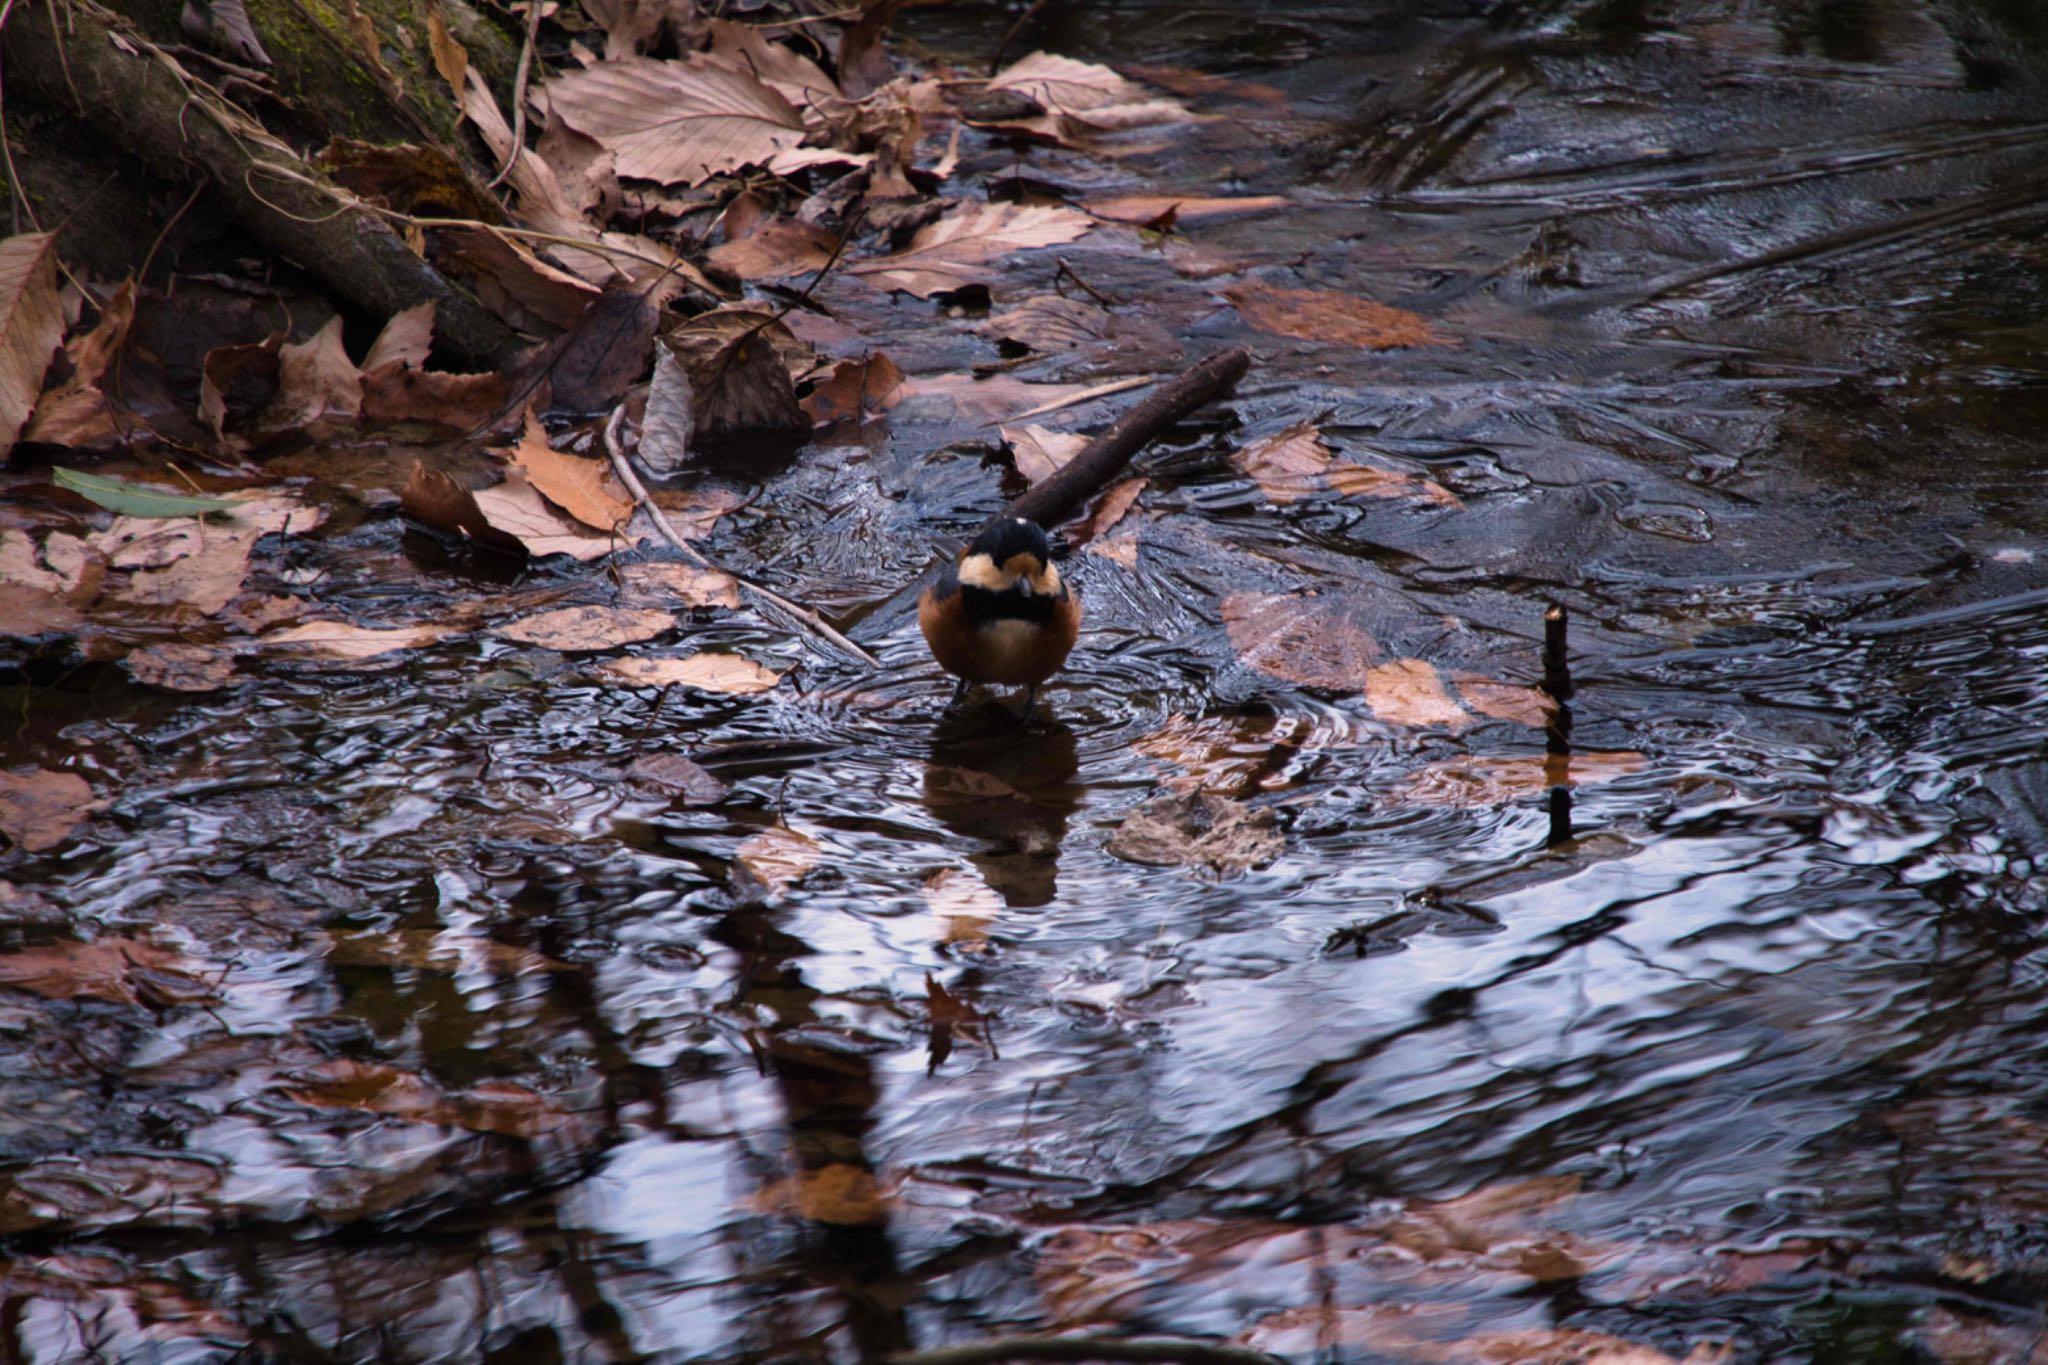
x: 1231, y: 755
x: 1198, y: 829
x: 1040, y: 452
x: 236, y: 383
x: 1530, y: 706
x: 737, y: 364
x: 710, y: 672
x: 607, y: 350
x: 1145, y: 209
x: 1109, y: 509
x: 398, y: 392
x: 676, y: 121
x: 1295, y: 463
x: 318, y: 386
x: 513, y: 282
x: 344, y: 642
x: 949, y: 1014
x: 680, y: 585
x: 40, y: 808
x: 493, y: 1107
x: 957, y: 249
x: 573, y: 629
x: 855, y: 391
x: 1410, y: 692
x: 514, y: 509
x: 1333, y: 318
x: 31, y: 326
x: 121, y: 971
x: 776, y: 250
x: 182, y: 562
x: 584, y: 488
x: 773, y: 860
x: 181, y: 668
x: 1079, y: 99
x: 76, y: 413
x: 1305, y: 639
x: 841, y: 1194
x: 407, y: 338
x: 683, y: 778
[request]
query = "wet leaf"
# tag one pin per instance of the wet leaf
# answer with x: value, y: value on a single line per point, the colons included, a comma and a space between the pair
x: 1305, y: 639
x: 737, y: 363
x: 1498, y: 781
x: 958, y: 249
x: 855, y: 391
x: 31, y: 326
x: 1410, y: 692
x: 199, y: 567
x: 181, y: 668
x: 513, y: 282
x: 60, y: 564
x: 1234, y: 755
x: 40, y: 808
x: 680, y: 585
x: 584, y: 488
x: 134, y: 499
x: 773, y: 860
x: 76, y: 414
x: 1200, y: 830
x: 574, y: 629
x: 775, y: 250
x: 1332, y: 318
x: 682, y: 777
x: 117, y: 970
x: 608, y: 349
x: 344, y: 642
x: 840, y: 1194
x: 1109, y: 510
x: 1079, y: 99
x: 666, y: 431
x: 1146, y: 209
x: 675, y: 122
x: 26, y: 613
x: 708, y: 672
x: 459, y: 402
x: 949, y: 1014
x: 513, y: 508
x: 1040, y: 452
x: 1296, y: 463
x: 494, y: 1107
x: 1530, y: 706
x: 1002, y: 397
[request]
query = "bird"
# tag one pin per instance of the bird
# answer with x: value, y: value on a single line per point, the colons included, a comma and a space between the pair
x: 1002, y: 614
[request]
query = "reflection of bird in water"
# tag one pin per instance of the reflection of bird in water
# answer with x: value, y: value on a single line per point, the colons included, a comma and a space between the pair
x: 1012, y: 799
x: 1002, y: 614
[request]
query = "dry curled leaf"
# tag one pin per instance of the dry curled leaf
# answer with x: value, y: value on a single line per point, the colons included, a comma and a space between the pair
x: 736, y: 364
x: 1073, y: 101
x: 958, y: 249
x: 76, y: 413
x: 1198, y: 829
x: 574, y: 629
x: 1146, y: 209
x: 776, y: 250
x: 1040, y: 452
x: 855, y: 391
x: 31, y: 326
x: 515, y: 509
x: 708, y: 672
x: 40, y: 808
x: 1329, y: 317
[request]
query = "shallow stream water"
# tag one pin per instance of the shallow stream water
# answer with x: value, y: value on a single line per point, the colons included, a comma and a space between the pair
x: 1745, y: 309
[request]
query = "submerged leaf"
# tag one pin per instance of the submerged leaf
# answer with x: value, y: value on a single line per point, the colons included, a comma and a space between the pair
x: 136, y: 500
x: 773, y: 860
x: 121, y: 971
x: 1198, y: 829
x: 493, y: 1107
x: 40, y: 808
x: 711, y: 672
x: 573, y: 629
x: 344, y: 642
x: 1332, y: 318
x: 958, y: 249
x: 1295, y: 463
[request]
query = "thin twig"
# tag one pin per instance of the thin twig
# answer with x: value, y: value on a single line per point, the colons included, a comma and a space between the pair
x: 184, y: 208
x: 1105, y: 300
x: 995, y: 63
x: 519, y: 94
x: 809, y: 618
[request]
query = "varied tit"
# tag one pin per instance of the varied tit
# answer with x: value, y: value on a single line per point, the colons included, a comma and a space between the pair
x: 1002, y: 614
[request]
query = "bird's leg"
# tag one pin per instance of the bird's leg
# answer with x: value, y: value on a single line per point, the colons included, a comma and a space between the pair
x: 959, y: 691
x: 1030, y: 702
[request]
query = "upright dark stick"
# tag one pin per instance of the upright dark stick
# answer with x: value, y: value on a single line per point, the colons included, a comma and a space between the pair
x: 1557, y: 670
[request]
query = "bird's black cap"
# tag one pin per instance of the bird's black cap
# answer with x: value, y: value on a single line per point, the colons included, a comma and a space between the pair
x: 1012, y: 536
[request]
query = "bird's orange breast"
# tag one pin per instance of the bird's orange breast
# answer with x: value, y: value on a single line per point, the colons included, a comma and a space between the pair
x: 1007, y: 651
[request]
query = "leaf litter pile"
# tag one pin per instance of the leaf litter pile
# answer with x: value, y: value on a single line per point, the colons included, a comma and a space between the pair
x: 476, y: 649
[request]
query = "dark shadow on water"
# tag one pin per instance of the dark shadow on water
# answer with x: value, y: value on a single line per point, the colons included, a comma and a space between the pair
x: 1008, y: 784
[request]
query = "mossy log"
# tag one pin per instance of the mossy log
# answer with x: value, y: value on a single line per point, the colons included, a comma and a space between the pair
x: 83, y: 61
